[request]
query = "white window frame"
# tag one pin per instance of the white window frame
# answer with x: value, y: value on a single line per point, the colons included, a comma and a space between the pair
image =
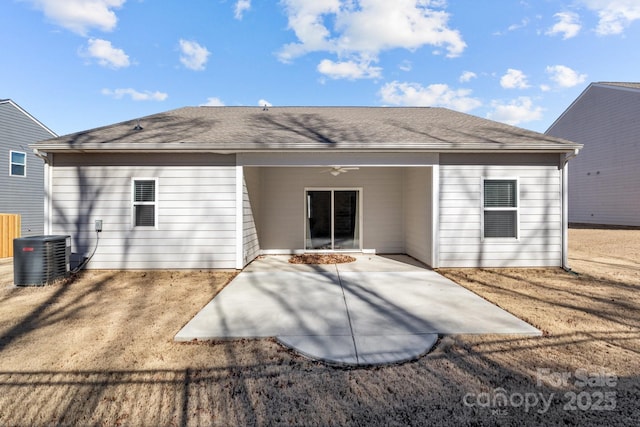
x: 484, y: 209
x: 11, y: 163
x: 134, y: 204
x: 360, y: 216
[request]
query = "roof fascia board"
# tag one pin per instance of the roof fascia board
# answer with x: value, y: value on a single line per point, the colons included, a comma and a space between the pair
x: 474, y: 150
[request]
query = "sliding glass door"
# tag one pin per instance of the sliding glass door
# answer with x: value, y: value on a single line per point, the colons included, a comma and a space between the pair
x: 332, y: 220
x: 319, y: 220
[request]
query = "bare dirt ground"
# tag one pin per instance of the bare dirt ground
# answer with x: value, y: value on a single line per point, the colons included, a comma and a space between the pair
x: 99, y: 351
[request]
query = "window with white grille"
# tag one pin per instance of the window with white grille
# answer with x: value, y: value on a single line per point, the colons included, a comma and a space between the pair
x: 500, y: 208
x: 17, y: 163
x: 145, y: 202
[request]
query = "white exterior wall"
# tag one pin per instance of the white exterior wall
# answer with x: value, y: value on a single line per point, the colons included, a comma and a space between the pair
x: 604, y: 177
x: 282, y: 205
x: 251, y: 203
x: 199, y: 221
x: 196, y: 210
x: 417, y: 213
x: 540, y: 219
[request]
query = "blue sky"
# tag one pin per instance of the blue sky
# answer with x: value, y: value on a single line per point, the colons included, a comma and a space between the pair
x: 79, y: 64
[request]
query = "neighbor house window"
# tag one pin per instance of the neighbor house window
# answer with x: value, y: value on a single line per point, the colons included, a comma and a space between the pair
x: 500, y: 208
x: 144, y: 202
x: 18, y: 163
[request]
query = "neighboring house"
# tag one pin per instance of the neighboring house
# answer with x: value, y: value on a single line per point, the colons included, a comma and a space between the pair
x: 604, y: 181
x: 21, y: 171
x: 214, y: 187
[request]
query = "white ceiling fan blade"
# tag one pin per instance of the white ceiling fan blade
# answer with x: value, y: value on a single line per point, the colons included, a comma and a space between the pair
x: 337, y: 170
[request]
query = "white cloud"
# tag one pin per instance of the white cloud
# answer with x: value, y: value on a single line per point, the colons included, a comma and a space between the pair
x: 410, y: 24
x: 241, y: 7
x: 615, y: 15
x: 306, y: 20
x: 564, y: 76
x: 348, y: 70
x: 106, y: 54
x: 213, y: 102
x: 358, y: 30
x: 194, y: 56
x: 264, y: 103
x: 81, y: 15
x: 514, y: 79
x: 519, y: 110
x: 435, y: 95
x: 513, y: 27
x: 405, y: 65
x: 521, y: 24
x: 135, y: 95
x: 568, y: 25
x: 467, y: 76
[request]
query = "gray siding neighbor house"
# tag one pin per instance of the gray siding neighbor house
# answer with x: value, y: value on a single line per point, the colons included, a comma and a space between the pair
x: 604, y: 181
x: 215, y: 187
x: 21, y: 171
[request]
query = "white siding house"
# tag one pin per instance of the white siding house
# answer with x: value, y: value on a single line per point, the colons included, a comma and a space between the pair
x: 215, y: 187
x: 604, y: 179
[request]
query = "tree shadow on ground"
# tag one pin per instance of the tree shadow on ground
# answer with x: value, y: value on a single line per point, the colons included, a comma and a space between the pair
x: 458, y: 386
x: 468, y: 380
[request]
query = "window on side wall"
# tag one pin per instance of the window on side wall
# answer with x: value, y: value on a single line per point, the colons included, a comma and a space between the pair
x: 18, y: 163
x: 145, y: 199
x: 500, y: 208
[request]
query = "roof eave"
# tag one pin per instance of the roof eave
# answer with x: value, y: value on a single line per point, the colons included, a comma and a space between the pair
x: 435, y: 148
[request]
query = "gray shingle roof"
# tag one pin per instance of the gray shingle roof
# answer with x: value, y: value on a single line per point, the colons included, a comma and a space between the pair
x: 241, y: 129
x: 629, y: 85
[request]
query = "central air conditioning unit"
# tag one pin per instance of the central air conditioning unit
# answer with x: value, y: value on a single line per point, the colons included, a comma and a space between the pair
x: 39, y: 260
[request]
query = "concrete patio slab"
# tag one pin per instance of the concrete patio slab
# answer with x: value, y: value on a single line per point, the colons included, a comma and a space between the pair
x: 338, y: 349
x: 363, y: 263
x: 361, y: 350
x: 421, y: 302
x: 376, y: 310
x: 383, y: 349
x: 267, y: 304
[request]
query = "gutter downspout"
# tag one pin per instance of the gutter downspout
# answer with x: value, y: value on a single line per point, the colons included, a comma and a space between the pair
x: 565, y: 208
x: 47, y: 158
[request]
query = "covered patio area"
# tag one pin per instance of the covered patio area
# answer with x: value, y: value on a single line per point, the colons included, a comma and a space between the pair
x: 350, y: 207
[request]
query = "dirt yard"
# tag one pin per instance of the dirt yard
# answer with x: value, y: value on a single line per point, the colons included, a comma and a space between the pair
x: 99, y: 351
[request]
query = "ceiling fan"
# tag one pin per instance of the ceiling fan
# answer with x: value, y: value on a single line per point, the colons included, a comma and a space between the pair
x: 337, y: 170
